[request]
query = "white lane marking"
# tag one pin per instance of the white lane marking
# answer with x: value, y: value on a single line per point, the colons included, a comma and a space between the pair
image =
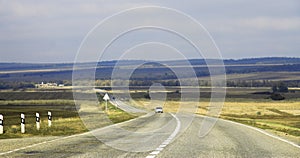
x: 161, y: 147
x: 264, y: 132
x: 259, y: 130
x: 76, y: 135
x: 166, y: 142
x: 155, y: 152
x: 45, y: 142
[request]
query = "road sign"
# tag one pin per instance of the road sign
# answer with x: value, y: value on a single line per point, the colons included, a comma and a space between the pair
x: 106, y: 98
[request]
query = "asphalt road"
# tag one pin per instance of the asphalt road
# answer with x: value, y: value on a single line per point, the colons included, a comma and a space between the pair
x: 226, y: 139
x: 125, y: 107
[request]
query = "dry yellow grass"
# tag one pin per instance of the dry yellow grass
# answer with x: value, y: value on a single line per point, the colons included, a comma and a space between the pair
x: 169, y: 106
x: 252, y: 107
x: 279, y: 117
x: 230, y: 107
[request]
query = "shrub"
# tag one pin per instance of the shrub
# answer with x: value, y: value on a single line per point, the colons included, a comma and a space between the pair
x: 277, y: 96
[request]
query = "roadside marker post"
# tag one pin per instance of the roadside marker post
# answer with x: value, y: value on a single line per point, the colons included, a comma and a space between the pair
x: 49, y: 119
x: 22, y: 123
x: 1, y: 124
x: 37, y: 121
x: 106, y: 98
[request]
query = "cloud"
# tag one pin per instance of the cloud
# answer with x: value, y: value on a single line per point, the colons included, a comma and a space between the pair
x: 271, y: 23
x: 260, y: 28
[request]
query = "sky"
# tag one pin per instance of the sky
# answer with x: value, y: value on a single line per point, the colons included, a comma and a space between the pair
x: 52, y: 31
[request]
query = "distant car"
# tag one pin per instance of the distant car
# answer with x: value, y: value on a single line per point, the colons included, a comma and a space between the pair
x: 159, y: 110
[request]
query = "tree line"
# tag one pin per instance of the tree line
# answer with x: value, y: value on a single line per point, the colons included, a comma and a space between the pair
x: 185, y: 82
x: 276, y: 85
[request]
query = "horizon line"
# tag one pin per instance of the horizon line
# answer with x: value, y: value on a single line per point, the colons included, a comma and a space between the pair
x: 113, y: 60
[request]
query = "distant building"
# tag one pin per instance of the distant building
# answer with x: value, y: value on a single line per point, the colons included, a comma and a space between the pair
x: 47, y: 85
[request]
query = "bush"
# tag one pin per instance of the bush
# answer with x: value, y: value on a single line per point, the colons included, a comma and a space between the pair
x: 277, y: 96
x: 258, y: 113
x: 280, y: 87
x: 283, y: 87
x: 147, y: 96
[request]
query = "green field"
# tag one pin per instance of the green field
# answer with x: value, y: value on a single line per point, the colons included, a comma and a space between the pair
x: 65, y: 118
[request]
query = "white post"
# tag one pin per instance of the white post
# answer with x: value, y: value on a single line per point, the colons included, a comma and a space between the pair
x: 22, y: 123
x: 1, y: 124
x: 49, y: 119
x: 37, y: 121
x: 105, y: 105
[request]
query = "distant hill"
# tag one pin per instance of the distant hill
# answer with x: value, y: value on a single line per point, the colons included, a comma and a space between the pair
x: 267, y: 60
x: 145, y: 70
x: 26, y: 74
x: 258, y: 61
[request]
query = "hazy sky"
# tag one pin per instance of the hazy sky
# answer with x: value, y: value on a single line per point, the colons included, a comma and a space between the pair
x: 51, y: 31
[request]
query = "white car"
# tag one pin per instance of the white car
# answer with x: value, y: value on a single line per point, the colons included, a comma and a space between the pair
x: 159, y: 110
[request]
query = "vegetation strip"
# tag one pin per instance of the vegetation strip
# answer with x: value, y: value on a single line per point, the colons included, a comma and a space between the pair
x: 66, y: 120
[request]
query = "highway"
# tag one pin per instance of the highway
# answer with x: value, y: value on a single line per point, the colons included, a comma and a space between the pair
x: 125, y: 107
x: 226, y: 139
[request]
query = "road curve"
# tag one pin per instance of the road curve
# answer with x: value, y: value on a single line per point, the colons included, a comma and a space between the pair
x: 126, y: 107
x: 226, y: 139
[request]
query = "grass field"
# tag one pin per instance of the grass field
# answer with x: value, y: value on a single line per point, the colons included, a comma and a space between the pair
x: 274, y: 76
x: 279, y: 117
x: 65, y: 118
x: 241, y: 105
x: 116, y: 115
